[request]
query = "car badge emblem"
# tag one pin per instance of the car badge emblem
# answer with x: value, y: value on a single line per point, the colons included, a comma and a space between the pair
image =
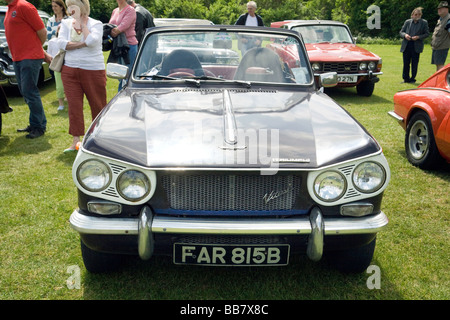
x: 291, y: 160
x: 275, y: 194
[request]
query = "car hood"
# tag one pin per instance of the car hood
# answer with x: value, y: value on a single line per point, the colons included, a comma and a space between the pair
x: 335, y: 52
x: 227, y: 129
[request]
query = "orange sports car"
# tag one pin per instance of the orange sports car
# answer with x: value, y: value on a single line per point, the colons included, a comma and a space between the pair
x: 424, y: 113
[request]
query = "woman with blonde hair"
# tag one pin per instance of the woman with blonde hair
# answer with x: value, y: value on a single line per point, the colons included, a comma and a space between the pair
x: 83, y: 72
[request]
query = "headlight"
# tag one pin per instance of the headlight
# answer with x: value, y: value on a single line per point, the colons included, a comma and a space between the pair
x: 316, y: 66
x: 94, y: 175
x: 369, y: 177
x: 363, y: 66
x: 330, y: 186
x: 133, y: 185
x: 372, y: 65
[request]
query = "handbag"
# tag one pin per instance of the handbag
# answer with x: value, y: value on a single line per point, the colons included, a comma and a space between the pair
x: 58, y: 61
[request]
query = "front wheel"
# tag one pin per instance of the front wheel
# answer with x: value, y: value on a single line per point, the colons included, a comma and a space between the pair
x: 420, y: 145
x: 355, y: 260
x: 99, y: 262
x: 365, y: 88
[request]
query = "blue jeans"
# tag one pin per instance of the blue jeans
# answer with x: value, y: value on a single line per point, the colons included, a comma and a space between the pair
x: 132, y: 53
x: 27, y: 74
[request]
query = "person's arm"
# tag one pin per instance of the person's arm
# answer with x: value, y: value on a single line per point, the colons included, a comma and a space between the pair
x: 403, y: 33
x: 42, y: 35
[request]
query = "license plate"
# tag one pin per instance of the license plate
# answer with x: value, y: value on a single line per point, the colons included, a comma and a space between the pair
x: 231, y: 255
x: 348, y: 79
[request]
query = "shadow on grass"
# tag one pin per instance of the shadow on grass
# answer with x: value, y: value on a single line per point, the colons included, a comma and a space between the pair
x: 22, y: 145
x: 441, y: 170
x: 348, y: 95
x: 302, y: 279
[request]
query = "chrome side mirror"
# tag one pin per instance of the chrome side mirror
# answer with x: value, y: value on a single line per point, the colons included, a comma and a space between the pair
x: 116, y: 71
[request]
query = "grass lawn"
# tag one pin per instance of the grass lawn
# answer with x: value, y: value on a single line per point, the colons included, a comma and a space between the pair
x: 39, y: 249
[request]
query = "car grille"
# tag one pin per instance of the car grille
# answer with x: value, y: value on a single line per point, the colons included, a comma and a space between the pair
x: 350, y: 67
x: 232, y: 192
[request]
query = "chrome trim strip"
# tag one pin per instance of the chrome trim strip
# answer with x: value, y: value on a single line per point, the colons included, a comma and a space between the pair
x: 295, y: 226
x: 165, y: 224
x: 270, y: 170
x: 229, y: 121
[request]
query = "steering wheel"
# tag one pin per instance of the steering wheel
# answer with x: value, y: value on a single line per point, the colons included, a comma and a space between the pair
x: 181, y: 74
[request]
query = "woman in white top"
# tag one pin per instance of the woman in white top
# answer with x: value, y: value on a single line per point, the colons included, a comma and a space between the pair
x: 83, y: 72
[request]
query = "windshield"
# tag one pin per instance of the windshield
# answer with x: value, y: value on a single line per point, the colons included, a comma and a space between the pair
x: 222, y: 56
x: 324, y: 33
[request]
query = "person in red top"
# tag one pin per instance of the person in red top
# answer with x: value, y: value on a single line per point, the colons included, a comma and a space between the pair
x: 26, y: 33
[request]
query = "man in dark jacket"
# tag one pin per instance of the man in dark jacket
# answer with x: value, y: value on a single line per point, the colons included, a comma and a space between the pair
x: 413, y: 32
x: 144, y: 19
x: 253, y: 20
x: 250, y: 18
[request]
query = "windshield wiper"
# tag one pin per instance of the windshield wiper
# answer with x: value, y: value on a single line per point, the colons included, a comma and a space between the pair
x: 246, y: 84
x: 208, y: 78
x: 189, y: 80
x: 158, y: 76
x: 196, y: 80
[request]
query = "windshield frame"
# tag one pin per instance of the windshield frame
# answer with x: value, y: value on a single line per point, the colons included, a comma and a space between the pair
x: 319, y: 26
x: 133, y: 79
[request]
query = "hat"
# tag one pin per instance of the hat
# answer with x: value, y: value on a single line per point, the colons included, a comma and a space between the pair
x: 443, y: 4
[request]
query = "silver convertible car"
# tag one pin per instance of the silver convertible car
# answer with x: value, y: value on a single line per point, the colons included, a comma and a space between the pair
x: 221, y: 150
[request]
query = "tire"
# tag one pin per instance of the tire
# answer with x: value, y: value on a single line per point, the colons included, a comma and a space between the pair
x: 420, y: 145
x: 365, y: 88
x: 355, y: 260
x: 100, y: 262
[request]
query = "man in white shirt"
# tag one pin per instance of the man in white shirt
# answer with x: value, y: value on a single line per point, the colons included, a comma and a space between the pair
x: 250, y: 18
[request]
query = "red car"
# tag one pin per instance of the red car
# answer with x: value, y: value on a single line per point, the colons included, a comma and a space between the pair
x: 424, y: 113
x: 331, y: 48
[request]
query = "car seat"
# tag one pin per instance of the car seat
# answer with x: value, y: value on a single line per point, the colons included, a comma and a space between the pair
x: 181, y: 61
x: 260, y: 64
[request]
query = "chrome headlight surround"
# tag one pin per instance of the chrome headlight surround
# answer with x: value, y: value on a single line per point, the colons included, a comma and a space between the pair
x: 363, y: 66
x: 110, y: 189
x: 372, y: 65
x: 133, y: 185
x: 330, y: 186
x: 93, y: 175
x: 368, y: 177
x: 316, y: 66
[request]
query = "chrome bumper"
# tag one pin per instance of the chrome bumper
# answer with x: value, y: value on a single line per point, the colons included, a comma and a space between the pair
x: 396, y: 116
x: 314, y: 225
x: 364, y: 74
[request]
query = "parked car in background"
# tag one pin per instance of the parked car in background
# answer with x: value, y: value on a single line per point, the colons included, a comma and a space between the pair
x: 424, y: 114
x: 164, y: 22
x: 7, y: 73
x: 331, y: 48
x: 227, y: 162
